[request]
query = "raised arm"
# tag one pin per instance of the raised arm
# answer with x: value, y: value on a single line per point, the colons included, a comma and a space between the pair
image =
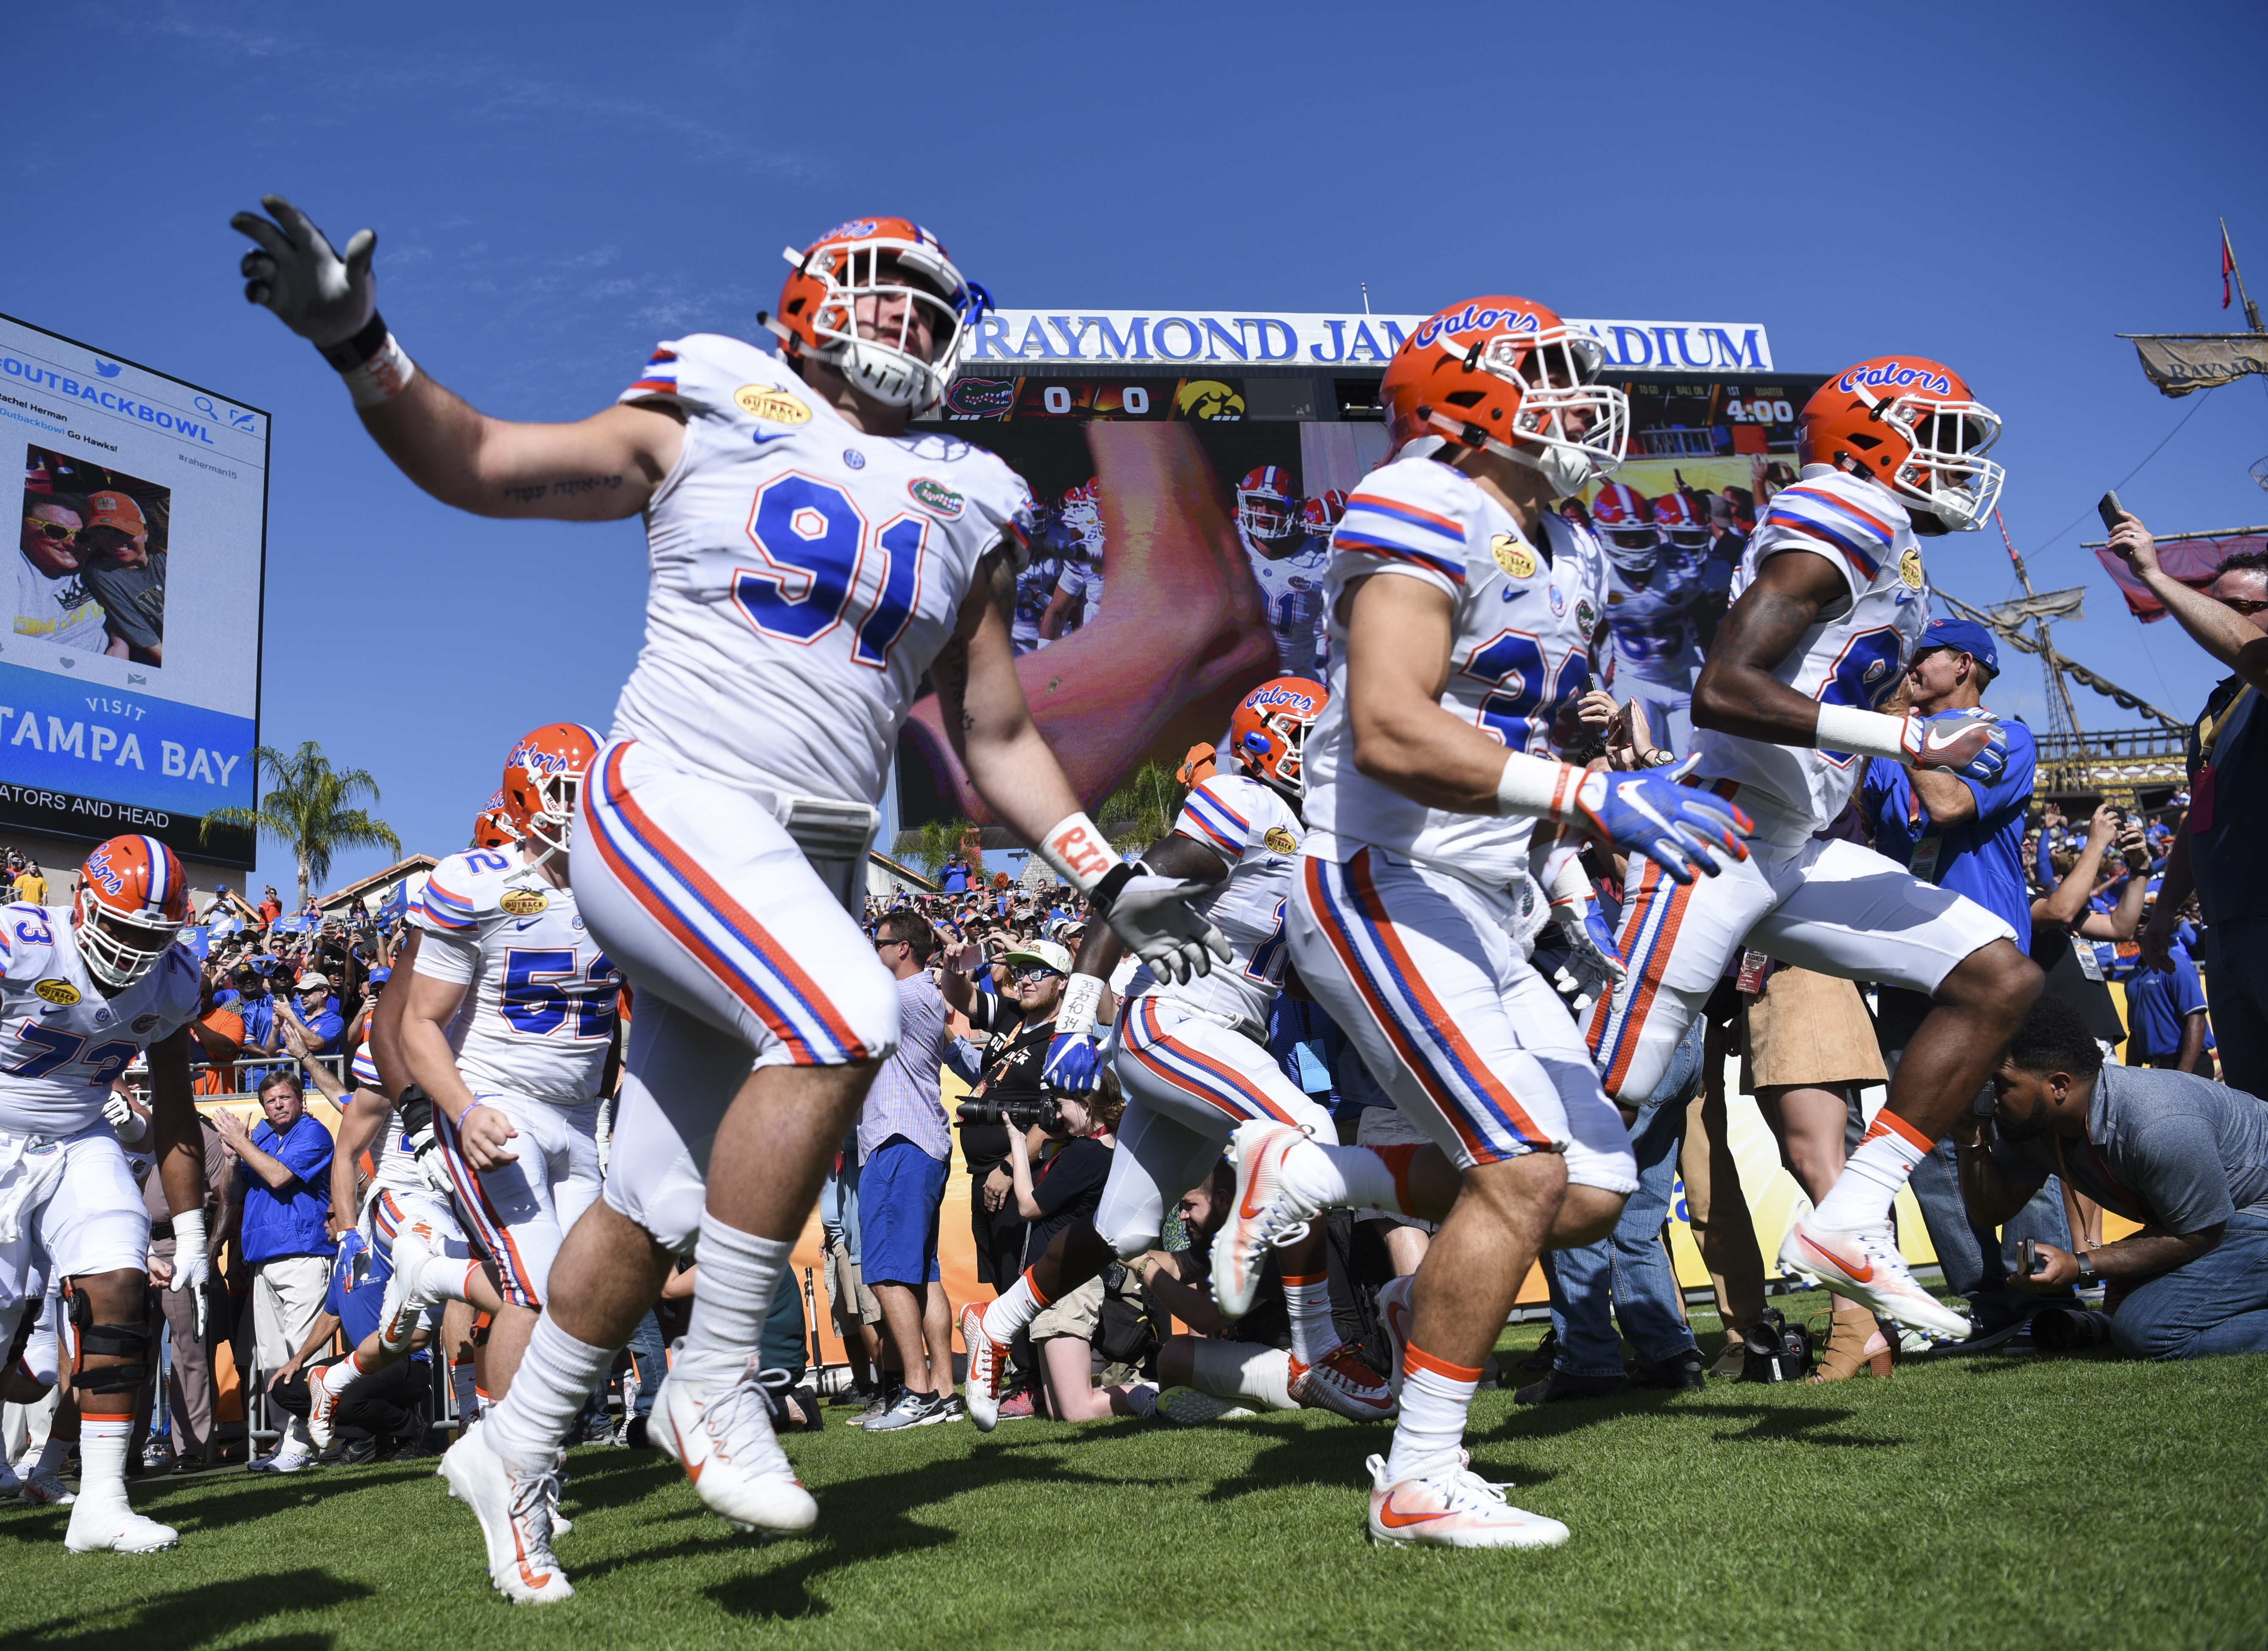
x: 596, y: 469
x: 2221, y: 631
x: 2068, y: 903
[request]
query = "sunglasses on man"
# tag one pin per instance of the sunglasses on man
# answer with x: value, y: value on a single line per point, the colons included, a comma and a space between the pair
x: 55, y: 531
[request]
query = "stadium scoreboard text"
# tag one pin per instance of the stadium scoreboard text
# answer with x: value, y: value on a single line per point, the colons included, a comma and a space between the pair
x: 129, y: 700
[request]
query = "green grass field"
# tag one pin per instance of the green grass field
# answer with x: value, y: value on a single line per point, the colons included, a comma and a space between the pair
x: 1997, y: 1502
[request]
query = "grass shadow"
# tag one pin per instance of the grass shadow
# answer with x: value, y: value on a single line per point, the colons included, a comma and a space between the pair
x: 1802, y: 1424
x: 190, y: 1617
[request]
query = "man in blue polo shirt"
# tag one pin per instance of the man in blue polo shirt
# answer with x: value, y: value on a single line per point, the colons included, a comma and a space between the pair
x: 1964, y: 835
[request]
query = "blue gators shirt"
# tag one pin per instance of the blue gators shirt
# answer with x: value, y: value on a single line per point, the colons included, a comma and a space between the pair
x: 1982, y: 858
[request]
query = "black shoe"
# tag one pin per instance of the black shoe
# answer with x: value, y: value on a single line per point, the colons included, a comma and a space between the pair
x: 355, y: 1452
x: 634, y: 1434
x: 1680, y: 1372
x: 1559, y: 1385
x: 1546, y: 1354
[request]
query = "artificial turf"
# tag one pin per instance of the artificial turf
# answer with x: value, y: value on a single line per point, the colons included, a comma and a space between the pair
x: 1992, y: 1501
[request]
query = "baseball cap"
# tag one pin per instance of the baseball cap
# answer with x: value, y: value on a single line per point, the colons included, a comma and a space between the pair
x: 115, y: 510
x: 379, y: 977
x: 1967, y: 636
x: 1045, y: 953
x: 309, y: 982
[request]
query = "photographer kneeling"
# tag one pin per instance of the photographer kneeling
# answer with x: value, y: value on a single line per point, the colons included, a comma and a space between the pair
x: 2185, y: 1156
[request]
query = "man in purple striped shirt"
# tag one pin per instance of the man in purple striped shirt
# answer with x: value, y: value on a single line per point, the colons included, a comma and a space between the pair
x: 904, y: 1152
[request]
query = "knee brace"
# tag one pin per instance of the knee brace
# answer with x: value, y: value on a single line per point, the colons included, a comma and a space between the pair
x: 128, y: 1342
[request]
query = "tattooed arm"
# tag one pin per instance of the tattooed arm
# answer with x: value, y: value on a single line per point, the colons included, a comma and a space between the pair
x: 599, y: 469
x: 985, y: 715
x: 1737, y: 693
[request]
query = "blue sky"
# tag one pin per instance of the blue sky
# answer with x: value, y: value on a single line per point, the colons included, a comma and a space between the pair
x: 556, y: 188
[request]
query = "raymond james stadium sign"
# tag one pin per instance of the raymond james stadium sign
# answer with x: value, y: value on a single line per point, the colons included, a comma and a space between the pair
x: 1167, y: 337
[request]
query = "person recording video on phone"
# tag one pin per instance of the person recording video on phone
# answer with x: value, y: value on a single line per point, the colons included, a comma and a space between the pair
x: 2186, y: 1157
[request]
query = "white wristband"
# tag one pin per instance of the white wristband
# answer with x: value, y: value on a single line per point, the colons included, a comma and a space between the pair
x: 1076, y: 852
x: 1868, y: 733
x: 382, y: 378
x: 1537, y: 785
x: 189, y: 1232
x: 1082, y: 996
x: 1570, y: 884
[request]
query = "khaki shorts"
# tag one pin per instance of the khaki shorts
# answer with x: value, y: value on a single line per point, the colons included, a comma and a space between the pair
x: 1390, y: 1126
x: 847, y: 1298
x: 1076, y: 1314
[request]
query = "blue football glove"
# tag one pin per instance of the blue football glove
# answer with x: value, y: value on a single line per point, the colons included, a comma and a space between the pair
x: 1971, y: 744
x: 1074, y: 1064
x: 1680, y: 828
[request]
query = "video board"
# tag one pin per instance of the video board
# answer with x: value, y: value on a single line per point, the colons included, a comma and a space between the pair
x: 130, y: 700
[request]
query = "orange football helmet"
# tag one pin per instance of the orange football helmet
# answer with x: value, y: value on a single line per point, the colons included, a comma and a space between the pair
x: 1507, y: 375
x: 1911, y: 424
x: 133, y: 899
x: 1679, y: 516
x: 542, y: 779
x: 492, y: 826
x: 881, y: 275
x: 1623, y: 519
x: 1266, y: 735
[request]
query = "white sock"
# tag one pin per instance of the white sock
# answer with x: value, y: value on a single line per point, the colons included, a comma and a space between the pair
x: 732, y: 1298
x: 1314, y: 1337
x: 344, y: 1375
x: 1350, y: 1177
x: 447, y: 1278
x: 1863, y: 1194
x: 1435, y: 1396
x: 1003, y: 1318
x: 554, y: 1380
x: 102, y: 1457
x: 52, y: 1455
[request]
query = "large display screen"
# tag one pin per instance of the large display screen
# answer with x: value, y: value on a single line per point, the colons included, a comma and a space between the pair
x: 129, y: 700
x: 1183, y: 529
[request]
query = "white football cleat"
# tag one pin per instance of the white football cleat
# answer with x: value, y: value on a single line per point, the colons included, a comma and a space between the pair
x: 1448, y: 1505
x: 515, y: 1516
x: 1265, y: 1213
x: 107, y: 1525
x: 1864, y: 1264
x: 46, y: 1490
x: 720, y: 1433
x: 404, y: 1307
x: 988, y: 1364
x: 322, y: 1406
x: 1394, y: 1316
x: 1343, y: 1382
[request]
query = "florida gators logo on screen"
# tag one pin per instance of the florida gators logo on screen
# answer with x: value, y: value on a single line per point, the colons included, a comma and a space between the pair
x: 980, y: 398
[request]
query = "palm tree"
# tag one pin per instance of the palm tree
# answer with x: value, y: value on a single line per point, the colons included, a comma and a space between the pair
x: 940, y: 839
x: 305, y: 804
x: 1142, y: 810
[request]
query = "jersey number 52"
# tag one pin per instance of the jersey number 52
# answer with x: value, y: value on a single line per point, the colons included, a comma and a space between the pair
x: 823, y: 566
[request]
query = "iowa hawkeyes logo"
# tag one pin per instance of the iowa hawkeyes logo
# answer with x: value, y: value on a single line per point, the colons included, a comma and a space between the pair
x: 1208, y: 398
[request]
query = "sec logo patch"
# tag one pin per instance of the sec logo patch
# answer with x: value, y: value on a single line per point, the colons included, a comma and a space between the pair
x: 524, y: 902
x: 1513, y: 557
x: 1910, y: 569
x: 56, y: 992
x: 760, y: 401
x: 1278, y: 840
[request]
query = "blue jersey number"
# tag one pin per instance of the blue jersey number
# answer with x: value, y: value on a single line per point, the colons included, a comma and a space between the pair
x: 56, y: 1048
x: 1528, y: 695
x: 536, y: 999
x: 822, y: 564
x: 1869, y: 669
x: 1267, y: 961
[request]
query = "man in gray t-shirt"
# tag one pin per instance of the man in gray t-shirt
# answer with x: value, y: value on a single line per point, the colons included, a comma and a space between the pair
x: 2186, y: 1157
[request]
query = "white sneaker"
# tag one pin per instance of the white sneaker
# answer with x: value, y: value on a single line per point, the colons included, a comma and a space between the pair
x: 1265, y: 1213
x: 46, y: 1490
x: 1343, y: 1382
x: 1864, y: 1264
x: 720, y: 1433
x: 515, y: 1516
x: 105, y: 1524
x: 1448, y: 1505
x: 1188, y: 1407
x: 1394, y: 1315
x: 289, y: 1459
x: 988, y: 1364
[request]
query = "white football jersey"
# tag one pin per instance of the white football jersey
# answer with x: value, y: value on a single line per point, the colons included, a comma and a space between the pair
x: 1650, y: 624
x: 1291, y: 587
x: 61, y: 1041
x: 1255, y: 831
x: 1524, y: 622
x: 540, y: 1015
x: 1856, y: 660
x: 804, y: 575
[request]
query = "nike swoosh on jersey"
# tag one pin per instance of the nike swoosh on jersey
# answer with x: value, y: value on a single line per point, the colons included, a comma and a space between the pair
x: 522, y: 924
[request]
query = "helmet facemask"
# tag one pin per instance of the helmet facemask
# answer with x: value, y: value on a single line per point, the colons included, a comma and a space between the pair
x: 879, y: 354
x: 547, y: 828
x: 1557, y: 371
x: 119, y: 948
x: 1944, y: 471
x: 1268, y: 517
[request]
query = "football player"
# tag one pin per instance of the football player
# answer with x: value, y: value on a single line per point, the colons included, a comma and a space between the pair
x: 1077, y: 595
x: 1191, y: 1057
x: 1462, y: 616
x: 1828, y: 604
x: 1035, y: 582
x: 1651, y: 587
x: 811, y: 564
x: 83, y: 992
x: 1287, y: 564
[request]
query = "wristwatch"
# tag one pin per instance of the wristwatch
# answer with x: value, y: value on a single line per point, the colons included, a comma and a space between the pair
x: 2086, y: 1273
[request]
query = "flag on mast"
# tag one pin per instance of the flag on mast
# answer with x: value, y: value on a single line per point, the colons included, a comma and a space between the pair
x: 2227, y: 265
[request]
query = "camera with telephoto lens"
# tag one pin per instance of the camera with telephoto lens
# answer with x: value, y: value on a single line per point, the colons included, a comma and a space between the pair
x: 1045, y: 1114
